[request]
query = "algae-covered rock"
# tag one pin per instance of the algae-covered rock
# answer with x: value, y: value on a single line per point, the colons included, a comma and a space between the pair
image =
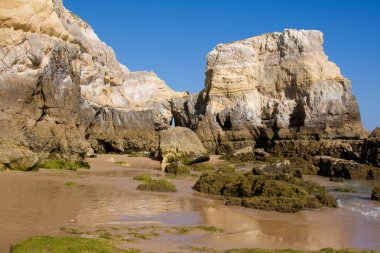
x: 281, y: 192
x: 143, y: 178
x: 202, y: 167
x: 376, y: 193
x: 161, y: 185
x: 177, y: 168
x: 60, y: 164
x: 64, y: 245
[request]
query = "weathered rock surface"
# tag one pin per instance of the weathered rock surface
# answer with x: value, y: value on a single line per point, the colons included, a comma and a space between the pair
x: 280, y: 192
x: 273, y: 169
x: 180, y: 142
x: 371, y: 148
x: 334, y: 167
x: 64, y: 94
x: 278, y: 91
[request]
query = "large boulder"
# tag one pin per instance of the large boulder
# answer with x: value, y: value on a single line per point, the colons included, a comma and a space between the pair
x: 180, y: 142
x: 271, y: 89
x: 334, y: 167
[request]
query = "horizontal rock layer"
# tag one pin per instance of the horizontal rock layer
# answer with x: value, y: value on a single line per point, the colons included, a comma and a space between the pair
x: 340, y: 168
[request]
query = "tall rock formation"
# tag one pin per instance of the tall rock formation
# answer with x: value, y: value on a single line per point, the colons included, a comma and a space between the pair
x: 63, y: 93
x: 278, y: 91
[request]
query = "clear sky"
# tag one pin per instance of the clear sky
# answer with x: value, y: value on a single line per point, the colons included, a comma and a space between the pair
x: 172, y: 37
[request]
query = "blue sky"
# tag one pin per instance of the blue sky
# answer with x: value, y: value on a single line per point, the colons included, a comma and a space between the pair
x: 172, y: 37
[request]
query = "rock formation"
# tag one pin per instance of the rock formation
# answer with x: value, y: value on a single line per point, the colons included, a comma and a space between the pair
x: 63, y: 93
x: 340, y: 168
x: 181, y: 142
x: 277, y: 91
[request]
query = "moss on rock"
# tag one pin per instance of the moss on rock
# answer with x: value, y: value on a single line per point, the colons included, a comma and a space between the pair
x: 143, y: 178
x: 161, y: 185
x: 60, y: 164
x: 45, y: 244
x: 282, y: 192
x: 202, y: 167
x: 177, y: 168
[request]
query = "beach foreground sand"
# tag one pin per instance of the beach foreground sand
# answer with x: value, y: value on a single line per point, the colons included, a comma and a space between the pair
x: 104, y: 200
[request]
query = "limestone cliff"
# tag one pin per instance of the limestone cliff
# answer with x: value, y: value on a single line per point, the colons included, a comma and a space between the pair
x: 63, y: 93
x: 273, y: 91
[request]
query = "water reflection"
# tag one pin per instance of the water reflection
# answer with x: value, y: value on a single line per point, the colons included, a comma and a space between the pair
x: 124, y: 207
x: 36, y: 203
x: 336, y: 228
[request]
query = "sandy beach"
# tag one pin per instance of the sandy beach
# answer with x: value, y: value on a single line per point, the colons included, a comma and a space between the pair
x: 105, y: 197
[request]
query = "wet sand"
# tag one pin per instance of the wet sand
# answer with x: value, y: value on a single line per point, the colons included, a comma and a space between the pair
x: 39, y: 203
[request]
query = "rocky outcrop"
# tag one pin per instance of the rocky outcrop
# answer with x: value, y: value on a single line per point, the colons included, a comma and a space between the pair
x: 64, y: 94
x: 340, y: 168
x: 279, y: 191
x: 371, y: 148
x: 277, y: 91
x: 180, y: 142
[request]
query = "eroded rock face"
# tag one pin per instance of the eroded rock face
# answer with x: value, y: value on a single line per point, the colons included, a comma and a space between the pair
x: 64, y: 94
x: 340, y: 168
x: 269, y: 89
